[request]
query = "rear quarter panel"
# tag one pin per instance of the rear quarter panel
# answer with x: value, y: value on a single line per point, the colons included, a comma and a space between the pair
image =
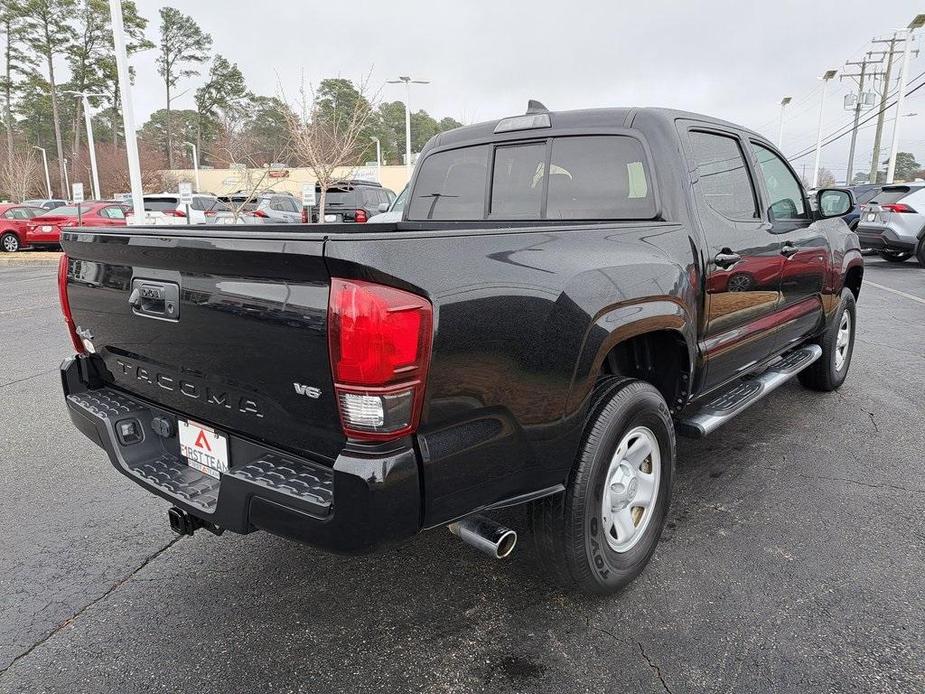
x: 523, y: 319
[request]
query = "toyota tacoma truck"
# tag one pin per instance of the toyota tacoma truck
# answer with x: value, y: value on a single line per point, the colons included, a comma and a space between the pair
x: 564, y: 293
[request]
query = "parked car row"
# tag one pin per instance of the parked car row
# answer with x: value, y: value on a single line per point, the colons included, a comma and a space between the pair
x: 28, y: 226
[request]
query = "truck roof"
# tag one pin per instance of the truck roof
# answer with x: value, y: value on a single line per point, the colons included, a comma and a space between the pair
x: 582, y: 118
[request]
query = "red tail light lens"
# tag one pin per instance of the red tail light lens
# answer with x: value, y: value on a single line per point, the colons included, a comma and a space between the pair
x: 260, y: 213
x: 174, y: 213
x: 897, y: 207
x: 380, y: 341
x: 66, y: 305
x: 360, y: 217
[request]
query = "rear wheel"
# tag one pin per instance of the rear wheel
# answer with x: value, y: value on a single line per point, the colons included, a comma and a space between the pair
x: 920, y: 252
x: 9, y: 242
x: 599, y: 534
x: 895, y: 256
x: 828, y: 372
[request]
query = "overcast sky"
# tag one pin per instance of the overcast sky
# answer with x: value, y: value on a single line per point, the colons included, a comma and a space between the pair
x: 727, y: 58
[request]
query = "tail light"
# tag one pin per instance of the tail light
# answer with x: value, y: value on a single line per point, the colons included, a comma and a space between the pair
x: 897, y: 207
x: 174, y: 213
x: 66, y: 305
x: 304, y: 215
x: 360, y: 216
x: 260, y: 213
x: 380, y: 341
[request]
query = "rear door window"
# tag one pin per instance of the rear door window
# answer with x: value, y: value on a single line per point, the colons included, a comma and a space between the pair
x: 723, y: 176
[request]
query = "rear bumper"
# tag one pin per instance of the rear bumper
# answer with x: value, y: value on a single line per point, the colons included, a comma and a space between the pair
x: 884, y: 238
x: 366, y: 499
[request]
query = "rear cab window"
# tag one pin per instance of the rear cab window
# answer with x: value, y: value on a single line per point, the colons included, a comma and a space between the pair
x: 578, y: 177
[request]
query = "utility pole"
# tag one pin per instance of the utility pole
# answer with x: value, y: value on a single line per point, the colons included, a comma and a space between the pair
x: 858, y: 107
x: 901, y: 96
x: 878, y: 134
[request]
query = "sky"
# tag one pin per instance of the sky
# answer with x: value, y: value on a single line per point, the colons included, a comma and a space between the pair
x: 725, y: 58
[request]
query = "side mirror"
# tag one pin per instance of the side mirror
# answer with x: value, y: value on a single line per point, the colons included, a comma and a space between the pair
x: 383, y: 207
x: 832, y: 202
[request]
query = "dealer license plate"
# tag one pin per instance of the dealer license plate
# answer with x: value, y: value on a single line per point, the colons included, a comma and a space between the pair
x: 330, y: 218
x: 46, y: 227
x: 204, y: 448
x: 871, y: 216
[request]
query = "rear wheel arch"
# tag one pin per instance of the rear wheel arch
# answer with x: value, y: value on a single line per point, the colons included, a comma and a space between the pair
x: 661, y: 358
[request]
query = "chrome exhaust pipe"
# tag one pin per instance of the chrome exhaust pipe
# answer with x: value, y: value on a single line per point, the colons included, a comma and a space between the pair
x: 485, y: 535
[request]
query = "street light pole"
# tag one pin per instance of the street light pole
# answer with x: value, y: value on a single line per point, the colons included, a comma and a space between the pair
x: 378, y: 159
x: 45, y: 161
x: 780, y: 133
x: 88, y: 122
x: 128, y: 113
x: 901, y: 97
x: 408, y: 82
x: 67, y: 178
x: 195, y: 164
x: 829, y: 74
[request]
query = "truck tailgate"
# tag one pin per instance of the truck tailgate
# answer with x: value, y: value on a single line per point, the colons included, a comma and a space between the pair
x: 226, y: 327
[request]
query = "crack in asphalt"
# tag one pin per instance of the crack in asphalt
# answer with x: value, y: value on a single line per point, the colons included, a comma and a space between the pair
x: 873, y: 419
x: 846, y: 480
x: 114, y: 587
x: 649, y: 662
x: 655, y: 667
x: 28, y: 378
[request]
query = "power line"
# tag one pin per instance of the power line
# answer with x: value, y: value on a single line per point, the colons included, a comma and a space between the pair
x: 834, y: 138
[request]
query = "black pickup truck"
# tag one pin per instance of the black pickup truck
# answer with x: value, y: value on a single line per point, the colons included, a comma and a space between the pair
x: 565, y: 291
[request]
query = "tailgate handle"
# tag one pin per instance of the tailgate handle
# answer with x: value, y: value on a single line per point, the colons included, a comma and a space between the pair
x: 153, y: 299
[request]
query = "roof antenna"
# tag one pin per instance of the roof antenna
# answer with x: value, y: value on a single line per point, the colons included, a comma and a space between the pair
x: 534, y: 106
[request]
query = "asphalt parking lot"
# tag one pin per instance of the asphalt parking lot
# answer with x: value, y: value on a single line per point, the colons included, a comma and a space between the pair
x: 793, y: 559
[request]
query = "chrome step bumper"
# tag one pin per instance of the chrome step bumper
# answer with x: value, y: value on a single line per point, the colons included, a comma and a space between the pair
x: 706, y: 418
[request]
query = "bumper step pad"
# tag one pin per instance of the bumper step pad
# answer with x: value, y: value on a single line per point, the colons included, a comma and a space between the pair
x: 289, y: 477
x: 312, y: 485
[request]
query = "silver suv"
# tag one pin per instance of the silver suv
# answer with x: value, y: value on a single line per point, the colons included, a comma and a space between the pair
x: 266, y: 208
x: 893, y: 223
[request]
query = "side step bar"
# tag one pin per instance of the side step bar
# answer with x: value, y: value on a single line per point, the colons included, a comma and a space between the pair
x: 706, y: 418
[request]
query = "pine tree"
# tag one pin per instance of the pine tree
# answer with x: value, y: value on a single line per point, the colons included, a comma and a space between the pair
x: 182, y: 45
x: 47, y: 29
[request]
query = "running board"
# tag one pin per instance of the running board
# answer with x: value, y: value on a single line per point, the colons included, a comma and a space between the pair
x: 705, y: 419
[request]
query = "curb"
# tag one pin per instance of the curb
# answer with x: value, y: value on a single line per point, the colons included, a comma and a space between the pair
x: 29, y: 258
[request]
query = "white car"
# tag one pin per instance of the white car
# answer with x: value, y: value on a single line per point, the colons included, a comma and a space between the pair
x: 166, y: 208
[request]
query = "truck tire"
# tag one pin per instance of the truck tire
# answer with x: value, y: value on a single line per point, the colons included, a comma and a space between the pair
x: 626, y: 455
x: 895, y: 256
x: 9, y: 242
x: 828, y: 372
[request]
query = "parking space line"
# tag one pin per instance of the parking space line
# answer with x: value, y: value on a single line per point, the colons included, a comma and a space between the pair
x: 896, y: 291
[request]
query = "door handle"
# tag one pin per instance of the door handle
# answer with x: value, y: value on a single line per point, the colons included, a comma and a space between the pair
x: 725, y: 258
x: 788, y: 249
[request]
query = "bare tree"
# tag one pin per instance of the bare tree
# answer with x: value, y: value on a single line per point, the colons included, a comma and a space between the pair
x: 19, y: 174
x: 328, y: 131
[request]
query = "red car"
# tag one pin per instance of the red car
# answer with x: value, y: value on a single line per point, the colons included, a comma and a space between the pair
x: 14, y: 225
x: 45, y: 229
